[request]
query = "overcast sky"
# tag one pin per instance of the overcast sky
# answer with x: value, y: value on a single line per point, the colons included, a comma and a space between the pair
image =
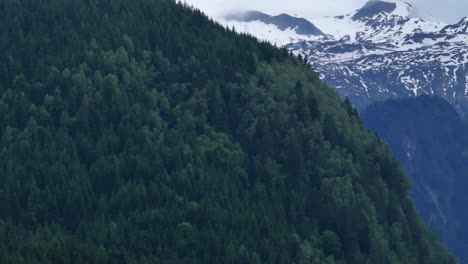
x: 450, y: 11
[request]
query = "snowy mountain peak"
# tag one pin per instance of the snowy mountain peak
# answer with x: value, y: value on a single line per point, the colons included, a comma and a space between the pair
x: 281, y: 29
x: 282, y: 21
x: 373, y: 8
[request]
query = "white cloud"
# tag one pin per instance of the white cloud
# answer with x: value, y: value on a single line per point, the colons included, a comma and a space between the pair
x: 447, y: 10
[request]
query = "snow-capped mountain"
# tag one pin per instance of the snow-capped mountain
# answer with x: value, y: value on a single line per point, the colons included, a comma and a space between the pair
x: 281, y: 30
x: 284, y: 21
x: 383, y: 50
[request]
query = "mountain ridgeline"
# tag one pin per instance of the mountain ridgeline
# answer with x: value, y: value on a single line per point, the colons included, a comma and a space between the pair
x: 283, y: 22
x: 373, y: 8
x: 430, y: 140
x: 142, y: 132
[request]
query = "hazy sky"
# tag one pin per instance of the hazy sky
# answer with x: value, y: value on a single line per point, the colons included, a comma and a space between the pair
x: 445, y: 10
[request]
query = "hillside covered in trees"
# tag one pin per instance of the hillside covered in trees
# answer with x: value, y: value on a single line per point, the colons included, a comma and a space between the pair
x: 142, y: 132
x: 430, y: 140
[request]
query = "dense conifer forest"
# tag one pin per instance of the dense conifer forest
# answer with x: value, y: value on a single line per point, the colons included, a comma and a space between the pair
x: 432, y: 145
x: 142, y: 132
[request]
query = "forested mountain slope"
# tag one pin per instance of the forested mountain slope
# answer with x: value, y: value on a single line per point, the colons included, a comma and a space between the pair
x: 429, y: 138
x: 141, y: 132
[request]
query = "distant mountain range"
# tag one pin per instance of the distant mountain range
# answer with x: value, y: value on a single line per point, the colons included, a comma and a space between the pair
x: 384, y: 50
